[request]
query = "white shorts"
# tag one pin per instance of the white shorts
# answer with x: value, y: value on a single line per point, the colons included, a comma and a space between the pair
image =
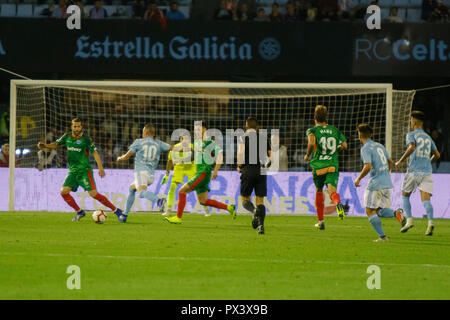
x: 143, y: 178
x: 375, y: 199
x: 411, y: 182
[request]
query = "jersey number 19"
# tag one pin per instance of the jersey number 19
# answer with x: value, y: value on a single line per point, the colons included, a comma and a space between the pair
x: 328, y: 147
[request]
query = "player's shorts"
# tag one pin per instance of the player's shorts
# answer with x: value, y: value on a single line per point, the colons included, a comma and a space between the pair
x: 411, y: 182
x: 200, y: 182
x: 178, y: 175
x: 375, y: 199
x: 84, y: 179
x: 253, y: 180
x: 325, y: 176
x: 143, y: 178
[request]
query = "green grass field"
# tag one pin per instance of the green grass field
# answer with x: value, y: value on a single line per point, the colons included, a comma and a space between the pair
x: 218, y: 258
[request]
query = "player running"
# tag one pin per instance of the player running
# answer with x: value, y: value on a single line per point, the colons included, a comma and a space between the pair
x: 420, y: 147
x: 325, y: 140
x: 377, y: 197
x: 147, y: 151
x: 80, y: 171
x: 205, y: 152
x: 183, y: 165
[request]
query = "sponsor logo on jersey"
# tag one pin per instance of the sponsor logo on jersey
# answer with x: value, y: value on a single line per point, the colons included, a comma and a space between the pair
x: 74, y: 149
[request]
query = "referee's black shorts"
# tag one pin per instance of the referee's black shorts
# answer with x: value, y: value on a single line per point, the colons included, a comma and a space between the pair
x: 252, y: 179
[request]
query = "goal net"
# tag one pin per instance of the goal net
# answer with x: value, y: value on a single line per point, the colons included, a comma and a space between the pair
x: 114, y: 113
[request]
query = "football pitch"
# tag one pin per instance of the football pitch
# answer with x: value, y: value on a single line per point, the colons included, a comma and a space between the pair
x: 218, y: 258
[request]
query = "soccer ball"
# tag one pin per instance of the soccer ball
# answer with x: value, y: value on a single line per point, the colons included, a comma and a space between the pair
x: 99, y: 216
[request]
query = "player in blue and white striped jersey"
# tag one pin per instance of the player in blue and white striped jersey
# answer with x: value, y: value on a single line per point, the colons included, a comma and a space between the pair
x: 377, y: 197
x: 423, y: 152
x: 147, y: 152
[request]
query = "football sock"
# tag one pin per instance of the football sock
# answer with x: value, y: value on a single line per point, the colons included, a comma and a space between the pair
x: 215, y: 204
x: 148, y: 195
x: 71, y: 202
x: 181, y: 204
x: 335, y: 198
x: 386, y: 213
x: 320, y: 206
x: 376, y: 224
x: 429, y: 208
x: 248, y: 205
x: 130, y: 201
x: 103, y: 200
x: 407, y: 206
x: 261, y: 213
x: 171, y: 195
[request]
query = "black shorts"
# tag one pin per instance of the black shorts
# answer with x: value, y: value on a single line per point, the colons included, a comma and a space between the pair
x: 253, y: 180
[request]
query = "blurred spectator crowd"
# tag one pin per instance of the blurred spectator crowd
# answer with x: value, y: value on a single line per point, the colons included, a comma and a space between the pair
x: 284, y: 11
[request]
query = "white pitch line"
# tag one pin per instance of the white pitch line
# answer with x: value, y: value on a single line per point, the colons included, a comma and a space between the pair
x: 225, y: 259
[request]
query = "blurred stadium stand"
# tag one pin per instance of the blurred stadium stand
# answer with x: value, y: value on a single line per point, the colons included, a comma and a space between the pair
x: 408, y: 10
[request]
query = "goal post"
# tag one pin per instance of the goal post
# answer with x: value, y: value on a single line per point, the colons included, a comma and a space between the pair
x: 113, y: 112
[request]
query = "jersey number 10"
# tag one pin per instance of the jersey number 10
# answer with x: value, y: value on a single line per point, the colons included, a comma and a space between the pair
x: 149, y: 153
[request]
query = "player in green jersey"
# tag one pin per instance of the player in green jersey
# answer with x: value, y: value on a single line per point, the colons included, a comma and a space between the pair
x: 325, y: 140
x: 80, y: 171
x: 206, y: 152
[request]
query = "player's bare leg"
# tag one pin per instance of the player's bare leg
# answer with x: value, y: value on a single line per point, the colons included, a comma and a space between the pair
x: 334, y: 196
x: 407, y: 207
x: 426, y: 197
x: 65, y: 194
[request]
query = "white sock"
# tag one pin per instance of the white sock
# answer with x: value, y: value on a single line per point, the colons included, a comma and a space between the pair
x: 430, y: 222
x: 409, y: 220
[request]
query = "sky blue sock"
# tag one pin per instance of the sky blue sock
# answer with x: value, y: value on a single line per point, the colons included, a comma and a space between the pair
x: 386, y: 213
x: 429, y: 208
x: 130, y: 201
x: 148, y: 195
x: 407, y: 206
x: 376, y: 224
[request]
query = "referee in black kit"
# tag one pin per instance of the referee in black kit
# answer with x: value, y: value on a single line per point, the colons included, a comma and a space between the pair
x: 252, y: 155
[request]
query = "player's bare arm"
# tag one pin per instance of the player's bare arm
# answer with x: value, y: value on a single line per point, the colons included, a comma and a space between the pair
x: 219, y: 161
x: 408, y: 152
x: 240, y: 156
x: 311, y: 144
x: 364, y: 172
x: 390, y: 164
x: 42, y: 145
x: 126, y: 156
x: 436, y: 155
x: 169, y: 166
x: 101, y: 171
x: 269, y: 160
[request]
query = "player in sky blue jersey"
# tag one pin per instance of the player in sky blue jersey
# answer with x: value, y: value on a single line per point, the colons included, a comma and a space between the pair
x: 423, y: 152
x: 377, y: 197
x: 147, y: 152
